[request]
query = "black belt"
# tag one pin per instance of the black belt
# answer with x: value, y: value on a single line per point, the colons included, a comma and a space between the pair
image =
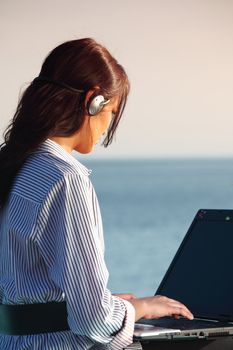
x: 28, y: 319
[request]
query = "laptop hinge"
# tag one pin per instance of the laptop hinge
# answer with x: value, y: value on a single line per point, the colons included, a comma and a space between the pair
x: 224, y: 318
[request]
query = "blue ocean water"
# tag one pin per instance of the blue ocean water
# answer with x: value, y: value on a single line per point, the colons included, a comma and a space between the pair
x: 147, y: 207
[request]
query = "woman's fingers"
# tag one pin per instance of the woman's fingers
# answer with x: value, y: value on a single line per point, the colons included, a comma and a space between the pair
x: 183, y: 310
x: 159, y: 306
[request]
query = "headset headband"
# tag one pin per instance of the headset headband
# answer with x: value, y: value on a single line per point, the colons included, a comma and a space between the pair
x: 95, y: 104
x: 57, y: 82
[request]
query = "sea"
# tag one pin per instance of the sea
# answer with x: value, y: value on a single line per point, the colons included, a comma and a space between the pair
x: 147, y: 206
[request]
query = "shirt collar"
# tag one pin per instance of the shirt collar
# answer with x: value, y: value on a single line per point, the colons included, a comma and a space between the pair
x: 53, y: 147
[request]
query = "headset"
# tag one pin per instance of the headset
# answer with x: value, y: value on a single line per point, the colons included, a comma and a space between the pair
x: 95, y: 103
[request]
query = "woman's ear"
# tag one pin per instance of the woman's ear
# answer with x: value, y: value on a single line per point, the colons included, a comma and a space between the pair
x: 87, y: 98
x: 93, y: 90
x: 94, y: 101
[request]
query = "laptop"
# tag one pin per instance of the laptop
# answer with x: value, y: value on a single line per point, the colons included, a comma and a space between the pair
x: 201, y: 277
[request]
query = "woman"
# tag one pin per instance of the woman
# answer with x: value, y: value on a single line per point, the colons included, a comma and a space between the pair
x: 53, y: 278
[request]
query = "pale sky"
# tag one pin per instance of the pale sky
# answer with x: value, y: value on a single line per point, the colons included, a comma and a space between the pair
x: 178, y: 55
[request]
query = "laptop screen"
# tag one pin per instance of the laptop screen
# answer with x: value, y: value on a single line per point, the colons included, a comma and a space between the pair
x: 201, y: 273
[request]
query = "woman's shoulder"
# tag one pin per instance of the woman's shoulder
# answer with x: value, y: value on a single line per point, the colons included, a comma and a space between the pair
x: 56, y: 159
x: 43, y: 171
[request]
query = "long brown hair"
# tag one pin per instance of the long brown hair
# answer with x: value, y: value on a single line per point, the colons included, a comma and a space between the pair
x: 46, y: 109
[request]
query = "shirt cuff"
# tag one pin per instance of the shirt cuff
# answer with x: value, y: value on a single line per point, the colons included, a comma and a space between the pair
x: 125, y: 336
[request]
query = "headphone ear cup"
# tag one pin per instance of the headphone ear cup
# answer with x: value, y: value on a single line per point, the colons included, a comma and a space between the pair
x: 96, y: 104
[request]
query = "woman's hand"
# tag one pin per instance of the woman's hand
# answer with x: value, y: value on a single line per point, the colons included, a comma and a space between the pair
x: 126, y: 296
x: 159, y: 306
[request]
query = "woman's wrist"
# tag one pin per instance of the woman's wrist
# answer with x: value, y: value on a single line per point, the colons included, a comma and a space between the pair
x: 140, y: 306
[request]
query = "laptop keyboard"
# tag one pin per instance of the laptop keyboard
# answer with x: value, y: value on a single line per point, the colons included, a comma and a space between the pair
x: 183, y: 323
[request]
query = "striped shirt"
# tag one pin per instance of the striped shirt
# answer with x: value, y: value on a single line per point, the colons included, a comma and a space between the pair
x: 52, y: 249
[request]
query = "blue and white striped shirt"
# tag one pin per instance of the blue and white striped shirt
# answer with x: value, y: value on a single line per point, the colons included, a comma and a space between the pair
x: 52, y: 249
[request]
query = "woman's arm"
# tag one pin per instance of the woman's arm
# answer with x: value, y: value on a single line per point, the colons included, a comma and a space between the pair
x: 71, y: 247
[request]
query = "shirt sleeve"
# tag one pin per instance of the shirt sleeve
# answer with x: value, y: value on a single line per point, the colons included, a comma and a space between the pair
x: 71, y: 247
